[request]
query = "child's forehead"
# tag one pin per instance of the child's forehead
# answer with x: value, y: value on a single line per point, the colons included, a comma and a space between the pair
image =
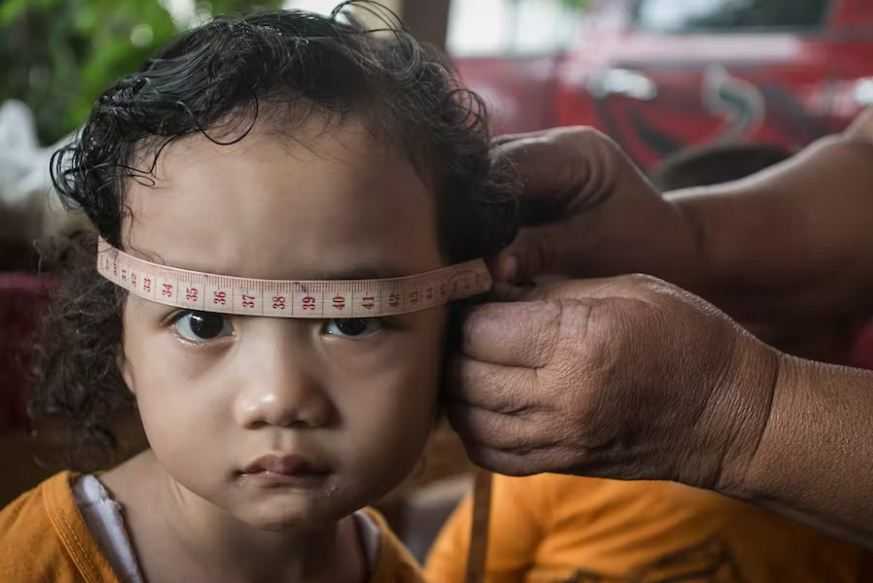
x: 326, y: 199
x: 349, y: 142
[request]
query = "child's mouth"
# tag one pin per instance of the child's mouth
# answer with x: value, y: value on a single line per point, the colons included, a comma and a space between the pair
x: 288, y: 469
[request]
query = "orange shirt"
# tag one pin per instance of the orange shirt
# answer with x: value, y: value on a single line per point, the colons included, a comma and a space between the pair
x: 563, y: 529
x: 44, y: 538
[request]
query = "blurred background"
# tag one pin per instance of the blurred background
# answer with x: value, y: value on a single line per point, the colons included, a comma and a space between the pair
x: 671, y: 80
x: 658, y: 75
x: 662, y: 77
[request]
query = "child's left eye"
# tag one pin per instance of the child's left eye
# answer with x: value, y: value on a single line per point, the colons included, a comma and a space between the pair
x: 352, y: 327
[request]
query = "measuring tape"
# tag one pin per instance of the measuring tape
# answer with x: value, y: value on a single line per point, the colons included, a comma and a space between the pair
x: 358, y: 298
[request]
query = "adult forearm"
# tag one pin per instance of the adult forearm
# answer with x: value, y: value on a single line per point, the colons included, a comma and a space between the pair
x: 794, y: 240
x: 814, y: 461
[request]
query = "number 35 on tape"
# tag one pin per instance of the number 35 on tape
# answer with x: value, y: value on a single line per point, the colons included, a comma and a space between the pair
x: 364, y: 298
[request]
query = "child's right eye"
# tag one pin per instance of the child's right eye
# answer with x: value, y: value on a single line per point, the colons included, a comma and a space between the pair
x: 201, y: 327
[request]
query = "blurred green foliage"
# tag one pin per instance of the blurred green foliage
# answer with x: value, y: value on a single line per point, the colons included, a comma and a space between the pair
x: 59, y: 55
x: 576, y: 4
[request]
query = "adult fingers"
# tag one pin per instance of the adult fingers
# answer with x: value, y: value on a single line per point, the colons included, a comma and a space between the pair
x: 517, y: 334
x: 633, y: 286
x: 507, y: 292
x: 523, y: 461
x: 524, y: 326
x: 501, y: 389
x: 535, y: 251
x: 503, y: 462
x: 493, y: 430
x: 504, y: 139
x: 553, y: 166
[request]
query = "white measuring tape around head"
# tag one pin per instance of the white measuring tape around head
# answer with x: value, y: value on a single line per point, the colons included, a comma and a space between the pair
x: 363, y: 298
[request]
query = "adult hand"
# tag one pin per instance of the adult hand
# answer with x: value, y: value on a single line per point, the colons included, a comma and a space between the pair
x: 628, y: 377
x: 587, y: 210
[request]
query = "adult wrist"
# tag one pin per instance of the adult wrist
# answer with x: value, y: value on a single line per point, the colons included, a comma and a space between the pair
x: 744, y: 408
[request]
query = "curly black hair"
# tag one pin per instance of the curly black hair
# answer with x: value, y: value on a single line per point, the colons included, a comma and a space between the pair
x: 216, y: 80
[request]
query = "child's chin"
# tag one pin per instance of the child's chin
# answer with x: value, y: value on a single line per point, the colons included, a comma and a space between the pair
x: 294, y: 515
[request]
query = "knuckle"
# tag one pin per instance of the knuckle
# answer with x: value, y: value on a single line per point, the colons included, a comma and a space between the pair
x: 579, y: 349
x: 645, y: 282
x: 572, y: 325
x: 605, y: 330
x: 482, y: 326
x: 578, y: 135
x: 517, y: 390
x: 546, y: 334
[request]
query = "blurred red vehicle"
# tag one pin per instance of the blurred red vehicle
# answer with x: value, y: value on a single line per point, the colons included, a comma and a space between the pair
x: 661, y: 75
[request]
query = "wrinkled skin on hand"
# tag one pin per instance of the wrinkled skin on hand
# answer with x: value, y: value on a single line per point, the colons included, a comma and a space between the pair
x: 587, y: 209
x: 628, y: 378
x: 632, y: 377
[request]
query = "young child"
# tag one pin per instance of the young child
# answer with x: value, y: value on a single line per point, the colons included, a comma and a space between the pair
x: 282, y: 146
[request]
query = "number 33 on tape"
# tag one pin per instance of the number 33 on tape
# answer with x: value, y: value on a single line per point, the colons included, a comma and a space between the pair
x: 224, y: 294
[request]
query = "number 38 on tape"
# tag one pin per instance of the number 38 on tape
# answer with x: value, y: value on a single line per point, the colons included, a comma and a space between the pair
x: 291, y: 299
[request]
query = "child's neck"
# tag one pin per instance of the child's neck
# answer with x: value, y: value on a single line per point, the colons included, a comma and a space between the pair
x: 179, y: 536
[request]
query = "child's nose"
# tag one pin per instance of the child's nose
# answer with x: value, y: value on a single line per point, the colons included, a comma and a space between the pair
x: 279, y: 391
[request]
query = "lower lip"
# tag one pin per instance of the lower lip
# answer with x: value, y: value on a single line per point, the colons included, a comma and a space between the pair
x: 302, y: 481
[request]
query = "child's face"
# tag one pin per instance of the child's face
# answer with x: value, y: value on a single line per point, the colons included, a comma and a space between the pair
x: 354, y: 400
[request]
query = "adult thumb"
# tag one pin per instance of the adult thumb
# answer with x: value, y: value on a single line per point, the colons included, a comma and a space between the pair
x: 532, y: 253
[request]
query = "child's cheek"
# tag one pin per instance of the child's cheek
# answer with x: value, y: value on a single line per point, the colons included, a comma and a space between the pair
x: 390, y: 412
x: 173, y: 384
